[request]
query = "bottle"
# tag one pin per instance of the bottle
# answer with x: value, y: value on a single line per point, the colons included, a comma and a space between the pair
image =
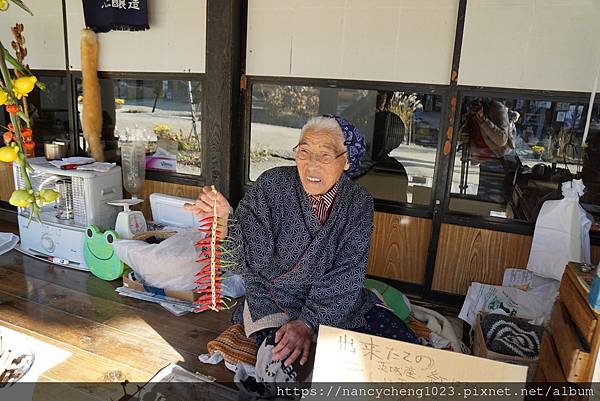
x: 594, y: 296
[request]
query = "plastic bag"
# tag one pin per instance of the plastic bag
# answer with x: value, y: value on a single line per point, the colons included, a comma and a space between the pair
x: 7, y: 242
x: 171, y: 264
x: 561, y: 233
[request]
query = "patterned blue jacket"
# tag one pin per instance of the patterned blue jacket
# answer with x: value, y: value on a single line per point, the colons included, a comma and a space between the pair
x: 292, y: 264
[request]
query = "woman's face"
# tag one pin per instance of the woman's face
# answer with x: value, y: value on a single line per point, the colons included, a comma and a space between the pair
x: 318, y: 165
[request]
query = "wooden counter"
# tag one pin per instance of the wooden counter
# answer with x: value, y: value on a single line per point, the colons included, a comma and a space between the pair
x: 109, y: 337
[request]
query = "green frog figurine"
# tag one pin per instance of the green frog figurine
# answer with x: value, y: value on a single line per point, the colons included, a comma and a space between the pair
x: 100, y: 255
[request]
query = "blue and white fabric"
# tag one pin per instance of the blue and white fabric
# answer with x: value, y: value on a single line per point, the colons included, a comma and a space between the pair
x: 291, y: 264
x: 354, y: 141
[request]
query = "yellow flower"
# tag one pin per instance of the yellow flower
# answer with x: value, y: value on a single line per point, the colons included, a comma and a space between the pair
x: 9, y: 154
x: 21, y: 198
x: 3, y: 5
x: 3, y: 95
x: 22, y: 86
x: 537, y: 149
x: 48, y: 196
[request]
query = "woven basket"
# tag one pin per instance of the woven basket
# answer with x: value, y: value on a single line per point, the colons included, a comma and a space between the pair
x: 161, y: 234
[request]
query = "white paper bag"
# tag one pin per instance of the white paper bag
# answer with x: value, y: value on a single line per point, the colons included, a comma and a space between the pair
x: 561, y: 233
x: 534, y: 305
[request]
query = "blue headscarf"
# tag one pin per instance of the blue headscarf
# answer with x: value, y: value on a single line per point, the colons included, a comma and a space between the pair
x: 354, y: 141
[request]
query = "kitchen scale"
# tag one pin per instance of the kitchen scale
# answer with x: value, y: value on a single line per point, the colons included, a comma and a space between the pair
x: 129, y: 222
x: 133, y: 161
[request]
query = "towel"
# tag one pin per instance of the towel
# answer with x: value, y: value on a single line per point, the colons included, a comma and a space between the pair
x: 511, y: 336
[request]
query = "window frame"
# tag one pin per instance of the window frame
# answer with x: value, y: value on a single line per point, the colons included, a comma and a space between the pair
x: 497, y: 223
x: 439, y: 193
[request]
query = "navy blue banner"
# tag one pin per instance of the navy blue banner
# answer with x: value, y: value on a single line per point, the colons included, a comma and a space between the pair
x: 121, y: 15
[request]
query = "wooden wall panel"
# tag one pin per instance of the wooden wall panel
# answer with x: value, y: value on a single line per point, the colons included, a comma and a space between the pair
x: 7, y: 183
x: 399, y: 247
x: 467, y: 254
x: 167, y: 188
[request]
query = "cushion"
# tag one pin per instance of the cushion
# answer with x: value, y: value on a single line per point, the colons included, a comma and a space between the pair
x: 234, y: 346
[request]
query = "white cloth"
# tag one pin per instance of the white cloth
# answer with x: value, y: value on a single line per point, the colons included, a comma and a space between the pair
x: 7, y: 242
x: 442, y: 332
x: 217, y: 357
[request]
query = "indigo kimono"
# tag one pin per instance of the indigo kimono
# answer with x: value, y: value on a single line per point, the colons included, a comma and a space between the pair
x: 293, y: 267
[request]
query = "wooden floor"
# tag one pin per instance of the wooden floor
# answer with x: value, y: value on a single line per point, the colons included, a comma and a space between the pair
x: 109, y: 337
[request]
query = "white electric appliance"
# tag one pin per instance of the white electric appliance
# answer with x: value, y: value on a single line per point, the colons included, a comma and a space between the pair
x: 83, y: 201
x: 169, y: 211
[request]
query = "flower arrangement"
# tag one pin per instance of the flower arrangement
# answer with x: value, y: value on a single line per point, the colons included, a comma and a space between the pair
x: 404, y: 106
x: 188, y: 147
x: 290, y: 106
x: 17, y: 138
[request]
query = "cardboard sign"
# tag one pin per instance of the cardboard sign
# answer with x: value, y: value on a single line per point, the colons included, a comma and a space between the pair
x: 347, y: 356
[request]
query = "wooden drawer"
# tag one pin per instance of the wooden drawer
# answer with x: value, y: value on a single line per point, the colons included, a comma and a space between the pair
x: 549, y: 362
x: 579, y: 310
x: 573, y: 359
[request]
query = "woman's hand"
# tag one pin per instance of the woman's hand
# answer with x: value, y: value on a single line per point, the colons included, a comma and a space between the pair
x: 293, y: 340
x: 203, y: 207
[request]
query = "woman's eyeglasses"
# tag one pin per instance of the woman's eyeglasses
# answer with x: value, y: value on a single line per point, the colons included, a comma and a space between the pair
x: 323, y: 158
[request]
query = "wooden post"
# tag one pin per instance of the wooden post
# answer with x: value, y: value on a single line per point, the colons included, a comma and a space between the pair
x: 221, y: 91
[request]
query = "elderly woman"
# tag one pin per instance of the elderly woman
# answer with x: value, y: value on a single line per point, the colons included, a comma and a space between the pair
x: 300, y: 238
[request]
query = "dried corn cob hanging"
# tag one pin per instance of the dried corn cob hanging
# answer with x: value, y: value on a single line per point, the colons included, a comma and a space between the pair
x: 209, y: 278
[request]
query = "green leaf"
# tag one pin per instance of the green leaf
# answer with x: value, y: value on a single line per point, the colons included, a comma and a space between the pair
x: 22, y: 5
x: 15, y: 63
x: 22, y: 69
x: 23, y: 116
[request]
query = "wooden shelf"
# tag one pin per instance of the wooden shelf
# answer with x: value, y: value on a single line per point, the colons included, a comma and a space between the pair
x: 571, y: 351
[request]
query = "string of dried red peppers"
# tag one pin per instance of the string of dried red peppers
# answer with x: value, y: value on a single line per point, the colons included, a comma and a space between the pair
x: 209, y: 278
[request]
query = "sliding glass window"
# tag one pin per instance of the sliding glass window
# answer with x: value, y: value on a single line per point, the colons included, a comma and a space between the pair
x: 401, y: 129
x: 168, y: 108
x: 514, y: 153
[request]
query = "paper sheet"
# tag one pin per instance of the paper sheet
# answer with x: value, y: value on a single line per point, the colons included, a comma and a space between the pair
x: 46, y: 357
x: 101, y: 167
x: 72, y: 160
x: 519, y: 278
x: 346, y: 356
x: 524, y: 279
